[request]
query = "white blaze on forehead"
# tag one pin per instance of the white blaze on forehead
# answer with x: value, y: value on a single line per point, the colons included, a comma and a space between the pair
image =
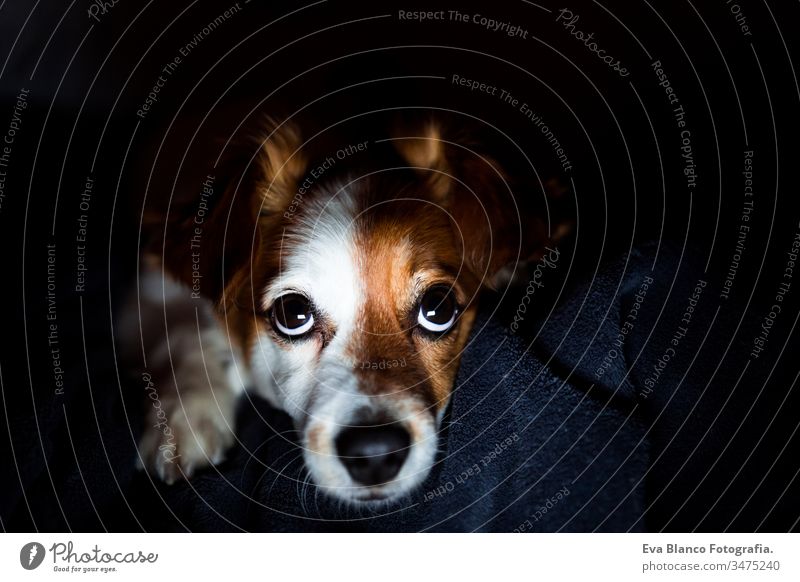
x: 321, y: 261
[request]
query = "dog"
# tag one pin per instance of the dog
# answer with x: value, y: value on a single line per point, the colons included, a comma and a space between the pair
x: 338, y: 282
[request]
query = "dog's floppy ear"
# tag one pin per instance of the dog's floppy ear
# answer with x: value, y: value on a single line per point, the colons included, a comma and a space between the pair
x: 213, y: 227
x: 501, y: 229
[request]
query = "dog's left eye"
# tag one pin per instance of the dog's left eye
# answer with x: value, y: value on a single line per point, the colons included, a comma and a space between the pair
x: 437, y: 310
x: 292, y: 315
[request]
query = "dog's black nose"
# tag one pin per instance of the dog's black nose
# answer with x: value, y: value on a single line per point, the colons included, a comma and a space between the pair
x: 373, y: 454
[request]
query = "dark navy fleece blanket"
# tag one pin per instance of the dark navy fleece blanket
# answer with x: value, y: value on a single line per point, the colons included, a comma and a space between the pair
x: 607, y: 408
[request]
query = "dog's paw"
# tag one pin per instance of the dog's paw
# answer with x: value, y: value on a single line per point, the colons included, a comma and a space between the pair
x: 184, y: 437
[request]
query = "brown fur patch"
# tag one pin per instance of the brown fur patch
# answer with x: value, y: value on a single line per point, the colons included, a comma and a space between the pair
x: 404, y: 250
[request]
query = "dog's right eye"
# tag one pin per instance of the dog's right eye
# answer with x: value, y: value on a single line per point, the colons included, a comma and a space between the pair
x: 292, y: 315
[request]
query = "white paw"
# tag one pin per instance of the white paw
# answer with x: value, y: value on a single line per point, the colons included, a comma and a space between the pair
x: 184, y: 436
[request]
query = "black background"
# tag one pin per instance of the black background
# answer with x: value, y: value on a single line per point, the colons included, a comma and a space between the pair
x: 332, y: 60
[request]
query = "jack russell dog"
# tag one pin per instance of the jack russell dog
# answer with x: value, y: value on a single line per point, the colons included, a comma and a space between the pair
x: 339, y: 283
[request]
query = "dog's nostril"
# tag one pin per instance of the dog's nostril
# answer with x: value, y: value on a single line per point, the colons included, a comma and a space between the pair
x: 373, y: 455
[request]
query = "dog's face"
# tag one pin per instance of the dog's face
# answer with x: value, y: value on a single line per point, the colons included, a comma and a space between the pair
x: 359, y: 297
x: 364, y: 322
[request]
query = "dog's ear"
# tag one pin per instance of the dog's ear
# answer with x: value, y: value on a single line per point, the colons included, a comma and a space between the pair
x: 281, y: 166
x: 501, y: 227
x: 213, y: 227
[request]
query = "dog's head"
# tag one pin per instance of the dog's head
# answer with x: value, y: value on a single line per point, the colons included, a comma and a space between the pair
x: 352, y: 286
